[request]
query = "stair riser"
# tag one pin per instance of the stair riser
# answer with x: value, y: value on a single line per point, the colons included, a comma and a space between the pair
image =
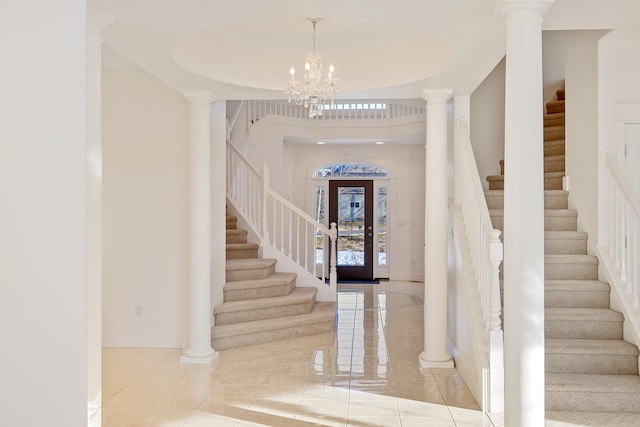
x: 553, y: 165
x: 554, y: 149
x: 554, y: 121
x: 583, y: 330
x: 565, y: 247
x: 250, y: 274
x: 242, y: 253
x: 576, y: 299
x: 555, y: 107
x: 231, y: 224
x: 599, y: 364
x: 255, y: 293
x: 549, y: 184
x: 550, y: 201
x: 553, y: 183
x: 274, y: 335
x: 576, y: 401
x: 553, y: 133
x: 562, y: 223
x: 236, y: 238
x: 570, y: 271
x: 263, y: 314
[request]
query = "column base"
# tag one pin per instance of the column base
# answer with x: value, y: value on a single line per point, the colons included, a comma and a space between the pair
x: 435, y: 364
x: 94, y: 411
x: 206, y: 359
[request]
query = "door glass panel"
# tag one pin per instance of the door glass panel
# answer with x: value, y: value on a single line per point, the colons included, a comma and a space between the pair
x: 382, y: 226
x: 351, y: 208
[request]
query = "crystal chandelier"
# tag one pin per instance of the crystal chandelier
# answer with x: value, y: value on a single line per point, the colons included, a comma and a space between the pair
x: 314, y: 91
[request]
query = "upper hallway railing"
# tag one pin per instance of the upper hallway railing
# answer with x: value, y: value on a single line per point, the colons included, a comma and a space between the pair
x: 339, y: 110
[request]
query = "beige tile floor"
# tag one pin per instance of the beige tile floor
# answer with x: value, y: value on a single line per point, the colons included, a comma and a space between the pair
x: 365, y: 374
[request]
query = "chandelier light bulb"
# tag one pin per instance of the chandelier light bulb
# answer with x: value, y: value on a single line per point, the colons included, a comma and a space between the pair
x: 331, y: 68
x: 292, y: 71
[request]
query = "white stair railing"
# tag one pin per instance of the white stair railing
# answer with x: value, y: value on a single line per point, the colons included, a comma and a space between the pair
x: 297, y: 235
x: 486, y: 253
x: 624, y: 233
x: 275, y: 220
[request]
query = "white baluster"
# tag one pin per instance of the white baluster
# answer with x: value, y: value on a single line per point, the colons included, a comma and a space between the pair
x: 265, y: 220
x: 333, y: 271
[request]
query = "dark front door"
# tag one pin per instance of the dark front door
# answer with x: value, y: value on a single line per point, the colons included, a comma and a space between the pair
x: 351, y: 208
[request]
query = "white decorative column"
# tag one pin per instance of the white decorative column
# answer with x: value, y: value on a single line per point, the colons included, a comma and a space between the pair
x: 219, y: 200
x: 524, y: 215
x: 199, y: 311
x: 96, y: 23
x: 435, y: 354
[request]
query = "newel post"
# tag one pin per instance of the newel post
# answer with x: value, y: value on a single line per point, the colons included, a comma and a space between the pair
x: 495, y: 257
x: 333, y: 271
x: 265, y: 220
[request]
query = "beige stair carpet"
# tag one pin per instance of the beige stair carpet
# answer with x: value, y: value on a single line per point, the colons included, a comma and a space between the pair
x: 262, y: 305
x: 589, y: 367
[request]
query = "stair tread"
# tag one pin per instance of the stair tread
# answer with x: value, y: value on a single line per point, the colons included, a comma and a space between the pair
x: 554, y: 158
x: 586, y: 346
x: 546, y: 192
x: 276, y: 279
x: 570, y: 259
x: 554, y: 115
x: 242, y: 246
x: 576, y: 285
x: 583, y: 314
x: 237, y: 231
x: 597, y: 383
x: 299, y: 295
x: 547, y: 212
x: 546, y: 175
x: 322, y: 311
x: 249, y: 263
x: 566, y: 235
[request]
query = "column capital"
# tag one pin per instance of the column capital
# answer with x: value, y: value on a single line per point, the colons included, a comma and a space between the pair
x: 97, y: 22
x: 437, y: 96
x: 202, y: 98
x: 506, y: 8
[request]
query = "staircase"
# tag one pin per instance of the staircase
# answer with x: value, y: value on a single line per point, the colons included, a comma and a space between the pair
x: 261, y: 305
x: 589, y: 367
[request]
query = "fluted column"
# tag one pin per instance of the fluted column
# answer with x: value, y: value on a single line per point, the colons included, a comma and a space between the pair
x: 96, y: 23
x: 199, y: 312
x: 524, y: 215
x: 435, y: 354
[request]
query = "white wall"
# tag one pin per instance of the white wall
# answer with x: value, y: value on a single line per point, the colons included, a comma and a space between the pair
x: 145, y: 155
x: 581, y: 134
x: 553, y: 65
x: 487, y: 123
x: 43, y: 311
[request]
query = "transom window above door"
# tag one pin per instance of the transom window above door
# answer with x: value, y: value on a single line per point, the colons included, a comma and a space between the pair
x: 350, y: 170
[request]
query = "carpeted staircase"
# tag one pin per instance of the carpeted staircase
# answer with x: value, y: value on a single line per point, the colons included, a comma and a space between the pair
x: 261, y: 305
x: 589, y: 367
